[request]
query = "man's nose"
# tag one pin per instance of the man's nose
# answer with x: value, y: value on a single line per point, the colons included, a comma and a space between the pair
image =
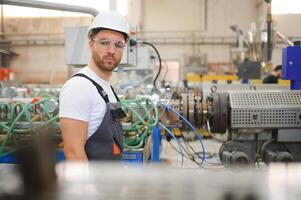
x: 111, y: 48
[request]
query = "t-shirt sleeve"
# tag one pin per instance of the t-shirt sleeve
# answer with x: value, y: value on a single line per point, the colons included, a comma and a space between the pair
x: 76, y: 99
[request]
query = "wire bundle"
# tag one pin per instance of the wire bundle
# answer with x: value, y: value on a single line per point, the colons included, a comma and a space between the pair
x: 34, y: 114
x: 140, y: 129
x: 179, y: 144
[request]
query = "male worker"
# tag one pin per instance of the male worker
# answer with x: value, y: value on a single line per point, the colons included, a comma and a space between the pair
x: 89, y: 109
x: 274, y: 76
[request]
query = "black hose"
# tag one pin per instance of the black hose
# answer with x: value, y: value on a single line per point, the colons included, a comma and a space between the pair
x: 160, y: 63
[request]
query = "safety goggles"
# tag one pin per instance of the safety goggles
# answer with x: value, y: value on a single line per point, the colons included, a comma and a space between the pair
x: 105, y: 43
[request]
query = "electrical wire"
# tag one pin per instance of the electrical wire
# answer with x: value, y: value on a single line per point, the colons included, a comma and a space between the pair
x: 182, y: 154
x: 212, y: 135
x: 133, y: 144
x: 166, y: 70
x: 18, y: 112
x: 190, y: 125
x: 188, y: 152
x: 196, y: 153
x: 145, y: 121
x: 206, y: 160
x: 167, y: 102
x: 175, y: 138
x: 189, y: 156
x: 160, y: 63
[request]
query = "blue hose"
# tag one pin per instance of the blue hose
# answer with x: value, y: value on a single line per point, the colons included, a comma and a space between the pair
x: 191, y: 126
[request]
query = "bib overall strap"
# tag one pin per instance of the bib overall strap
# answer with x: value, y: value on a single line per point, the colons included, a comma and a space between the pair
x: 115, y: 94
x: 101, y: 91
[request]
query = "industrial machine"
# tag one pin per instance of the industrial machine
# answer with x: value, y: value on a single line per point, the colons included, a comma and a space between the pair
x: 29, y: 91
x: 142, y: 116
x: 261, y: 125
x: 20, y: 118
x: 261, y: 122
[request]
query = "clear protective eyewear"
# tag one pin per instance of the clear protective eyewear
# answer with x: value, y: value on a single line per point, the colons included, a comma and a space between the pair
x: 105, y: 43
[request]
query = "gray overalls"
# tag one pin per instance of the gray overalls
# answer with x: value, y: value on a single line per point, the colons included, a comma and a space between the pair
x: 107, y: 142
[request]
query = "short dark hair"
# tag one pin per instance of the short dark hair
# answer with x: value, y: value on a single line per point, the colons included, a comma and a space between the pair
x: 94, y: 32
x: 277, y: 68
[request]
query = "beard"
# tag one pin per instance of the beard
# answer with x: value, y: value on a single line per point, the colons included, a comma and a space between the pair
x: 107, y: 62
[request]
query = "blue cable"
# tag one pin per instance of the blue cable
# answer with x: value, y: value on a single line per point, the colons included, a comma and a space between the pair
x: 174, y: 137
x: 191, y: 126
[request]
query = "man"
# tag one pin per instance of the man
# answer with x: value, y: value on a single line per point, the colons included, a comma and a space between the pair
x: 274, y: 76
x: 89, y: 108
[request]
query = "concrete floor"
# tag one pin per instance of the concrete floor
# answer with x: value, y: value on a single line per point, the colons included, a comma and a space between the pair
x: 171, y: 158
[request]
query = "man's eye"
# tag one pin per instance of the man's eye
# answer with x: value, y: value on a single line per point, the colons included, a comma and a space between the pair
x: 105, y: 43
x: 119, y: 44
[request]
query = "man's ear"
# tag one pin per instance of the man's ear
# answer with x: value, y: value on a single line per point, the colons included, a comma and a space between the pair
x: 90, y: 44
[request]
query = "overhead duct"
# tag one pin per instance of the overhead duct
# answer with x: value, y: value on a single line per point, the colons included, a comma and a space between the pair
x: 51, y: 6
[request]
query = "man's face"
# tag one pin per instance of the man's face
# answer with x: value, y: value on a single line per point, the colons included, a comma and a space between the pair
x: 279, y: 74
x: 107, y: 47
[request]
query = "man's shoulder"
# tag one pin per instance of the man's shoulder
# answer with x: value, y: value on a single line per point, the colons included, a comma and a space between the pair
x: 78, y: 81
x: 270, y: 79
x: 78, y: 86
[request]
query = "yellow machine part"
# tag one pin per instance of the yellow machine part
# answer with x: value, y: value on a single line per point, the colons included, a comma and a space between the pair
x: 255, y: 81
x: 280, y: 81
x: 209, y: 78
x: 196, y: 78
x: 202, y: 132
x: 284, y: 82
x: 192, y: 77
x: 178, y: 133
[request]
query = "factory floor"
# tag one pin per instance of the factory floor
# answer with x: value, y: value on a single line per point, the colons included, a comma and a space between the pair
x: 170, y: 155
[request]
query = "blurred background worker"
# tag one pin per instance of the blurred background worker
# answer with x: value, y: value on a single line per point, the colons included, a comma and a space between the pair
x: 274, y: 76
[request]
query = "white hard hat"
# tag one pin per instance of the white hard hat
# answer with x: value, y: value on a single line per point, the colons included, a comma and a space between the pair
x: 110, y: 20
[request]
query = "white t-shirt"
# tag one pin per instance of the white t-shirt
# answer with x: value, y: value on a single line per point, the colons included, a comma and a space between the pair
x: 79, y: 99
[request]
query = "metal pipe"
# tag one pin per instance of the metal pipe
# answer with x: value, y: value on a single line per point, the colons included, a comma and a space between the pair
x: 289, y: 42
x: 269, y: 31
x: 2, y: 22
x: 51, y: 6
x: 206, y: 15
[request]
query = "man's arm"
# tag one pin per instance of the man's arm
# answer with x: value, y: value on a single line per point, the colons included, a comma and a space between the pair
x: 74, y: 138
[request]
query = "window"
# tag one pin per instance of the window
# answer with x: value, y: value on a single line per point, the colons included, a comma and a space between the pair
x: 286, y: 7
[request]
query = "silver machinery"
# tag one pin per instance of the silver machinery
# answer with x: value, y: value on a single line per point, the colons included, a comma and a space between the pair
x: 259, y: 125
